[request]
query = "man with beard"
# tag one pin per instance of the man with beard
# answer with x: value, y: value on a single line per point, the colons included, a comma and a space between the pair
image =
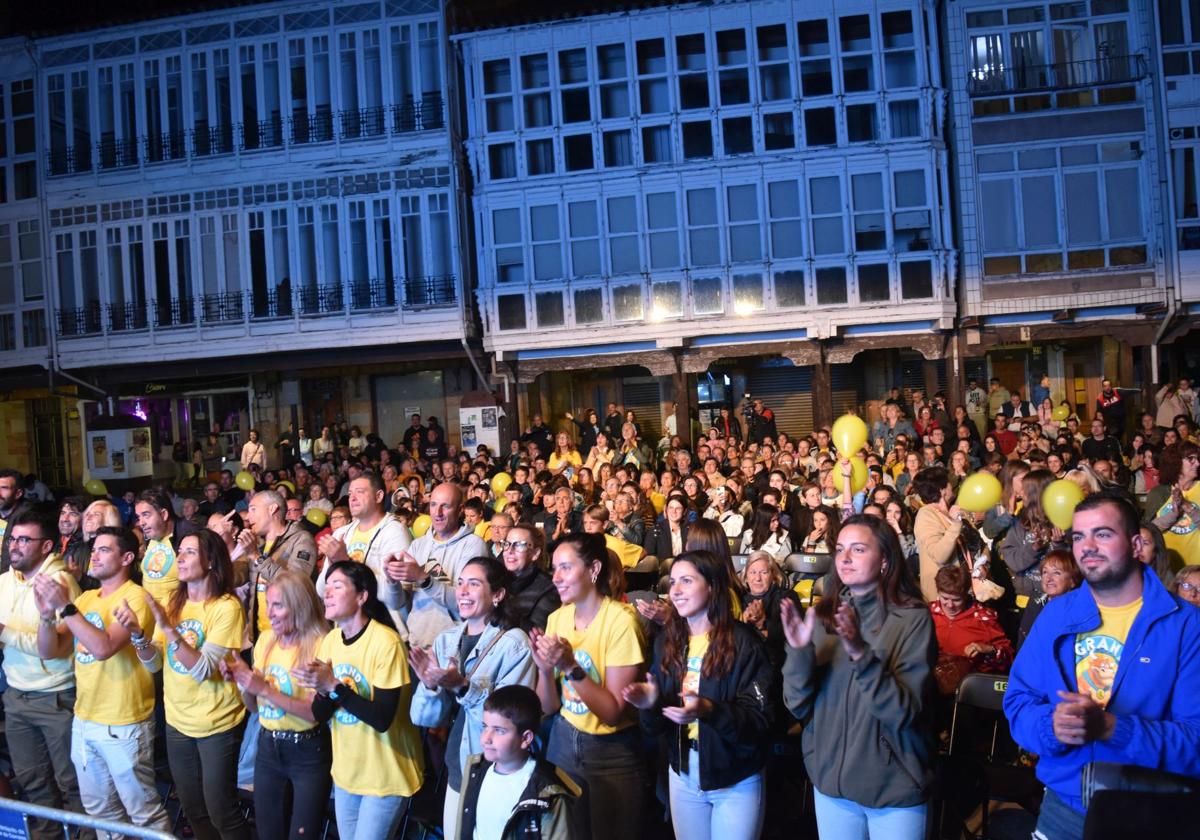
x: 273, y: 544
x: 112, y: 738
x: 427, y: 572
x: 40, y: 701
x: 1110, y: 671
x: 156, y: 519
x: 12, y: 502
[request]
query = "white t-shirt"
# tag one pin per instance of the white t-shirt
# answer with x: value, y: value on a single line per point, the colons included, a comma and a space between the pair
x: 498, y: 795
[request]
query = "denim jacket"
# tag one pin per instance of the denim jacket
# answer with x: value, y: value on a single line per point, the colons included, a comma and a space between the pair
x: 507, y: 662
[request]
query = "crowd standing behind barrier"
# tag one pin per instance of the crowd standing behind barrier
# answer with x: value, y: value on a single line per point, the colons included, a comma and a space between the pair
x: 337, y: 624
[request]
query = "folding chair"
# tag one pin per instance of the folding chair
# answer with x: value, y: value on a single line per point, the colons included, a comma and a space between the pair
x: 999, y: 781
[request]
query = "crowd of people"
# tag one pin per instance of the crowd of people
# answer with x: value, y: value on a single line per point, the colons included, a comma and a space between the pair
x: 335, y: 617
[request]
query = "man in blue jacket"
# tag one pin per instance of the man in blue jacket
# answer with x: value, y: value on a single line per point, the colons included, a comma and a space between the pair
x: 1109, y: 672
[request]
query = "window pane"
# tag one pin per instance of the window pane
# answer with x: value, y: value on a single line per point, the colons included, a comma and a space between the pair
x: 667, y: 300
x: 873, y: 281
x: 789, y: 288
x: 916, y: 280
x: 826, y: 195
x: 747, y: 293
x: 831, y: 285
x: 577, y: 150
x: 905, y: 118
x: 743, y: 203
x: 1039, y: 211
x: 627, y: 303
x: 827, y: 236
x: 820, y: 127
x: 510, y: 311
x: 656, y: 144
x: 910, y: 188
x: 697, y: 140
x: 860, y: 124
x: 787, y: 239
x: 702, y: 207
x: 1082, y: 196
x: 779, y: 131
x: 1124, y: 204
x: 589, y: 306
x: 868, y: 191
x: 783, y: 198
x: 706, y: 296
x: 998, y: 203
x: 618, y: 148
x: 610, y: 61
x: 506, y: 226
x: 739, y: 139
x: 549, y: 306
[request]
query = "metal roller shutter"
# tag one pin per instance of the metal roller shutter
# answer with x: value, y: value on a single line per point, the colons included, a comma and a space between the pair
x: 644, y: 398
x: 787, y: 391
x: 846, y: 382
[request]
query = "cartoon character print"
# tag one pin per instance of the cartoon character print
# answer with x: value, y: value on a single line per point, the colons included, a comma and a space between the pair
x: 278, y: 678
x: 1096, y: 661
x: 571, y: 700
x: 82, y: 655
x: 348, y: 675
x: 1189, y: 517
x: 192, y: 632
x: 158, y: 562
x: 691, y: 680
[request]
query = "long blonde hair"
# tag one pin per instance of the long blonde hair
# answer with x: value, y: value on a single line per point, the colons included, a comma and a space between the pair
x: 109, y: 515
x: 308, y: 615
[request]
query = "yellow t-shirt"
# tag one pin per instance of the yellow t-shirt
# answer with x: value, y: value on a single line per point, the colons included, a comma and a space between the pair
x: 1183, y: 538
x: 260, y: 594
x: 359, y: 541
x: 572, y: 458
x: 697, y: 648
x: 1098, y: 652
x: 367, y: 762
x: 160, y: 572
x: 611, y: 640
x: 277, y: 668
x: 118, y: 690
x: 628, y: 553
x: 659, y: 501
x: 213, y: 706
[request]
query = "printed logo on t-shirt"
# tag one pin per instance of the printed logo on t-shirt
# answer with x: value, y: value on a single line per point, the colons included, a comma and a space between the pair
x: 1189, y: 517
x: 279, y: 679
x: 571, y: 700
x: 348, y: 675
x: 159, y: 560
x: 691, y: 680
x: 82, y: 655
x: 1096, y: 660
x: 191, y: 631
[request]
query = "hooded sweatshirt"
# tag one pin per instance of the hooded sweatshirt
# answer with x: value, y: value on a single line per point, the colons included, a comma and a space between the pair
x: 432, y: 606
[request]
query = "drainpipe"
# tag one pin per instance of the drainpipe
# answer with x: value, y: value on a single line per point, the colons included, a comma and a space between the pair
x: 1174, y: 293
x: 483, y: 380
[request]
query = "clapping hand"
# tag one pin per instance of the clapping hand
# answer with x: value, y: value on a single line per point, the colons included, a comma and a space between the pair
x: 1078, y: 719
x: 845, y: 624
x: 333, y: 549
x: 643, y: 695
x: 550, y: 652
x: 754, y: 614
x: 433, y: 676
x: 127, y: 618
x: 50, y: 595
x: 316, y: 675
x: 796, y: 630
x: 694, y: 707
x: 654, y: 609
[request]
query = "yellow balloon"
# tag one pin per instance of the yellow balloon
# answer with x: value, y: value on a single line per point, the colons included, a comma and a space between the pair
x: 291, y: 487
x: 96, y: 487
x: 421, y: 525
x: 317, y: 517
x: 1060, y: 413
x: 1059, y: 500
x: 858, y: 474
x: 244, y: 480
x: 979, y: 493
x: 849, y: 434
x: 499, y: 504
x: 500, y: 482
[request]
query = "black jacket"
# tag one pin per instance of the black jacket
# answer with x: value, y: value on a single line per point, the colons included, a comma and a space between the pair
x: 658, y: 541
x: 587, y: 435
x: 531, y: 599
x: 735, y: 735
x: 543, y: 810
x: 541, y: 437
x: 613, y: 423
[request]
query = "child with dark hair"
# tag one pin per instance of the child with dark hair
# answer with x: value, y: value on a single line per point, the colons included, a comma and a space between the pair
x: 509, y: 793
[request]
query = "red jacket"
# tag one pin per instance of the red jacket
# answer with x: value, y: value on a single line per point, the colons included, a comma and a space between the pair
x: 976, y: 623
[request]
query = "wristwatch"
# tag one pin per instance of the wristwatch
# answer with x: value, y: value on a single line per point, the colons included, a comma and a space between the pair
x: 577, y: 673
x: 69, y: 609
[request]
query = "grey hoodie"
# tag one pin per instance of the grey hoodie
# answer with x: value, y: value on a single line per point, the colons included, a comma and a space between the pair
x: 432, y: 607
x: 868, y: 736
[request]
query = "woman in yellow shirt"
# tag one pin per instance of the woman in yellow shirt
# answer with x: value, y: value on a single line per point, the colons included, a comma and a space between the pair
x: 591, y: 650
x: 360, y: 675
x: 200, y: 625
x: 565, y: 459
x: 294, y: 751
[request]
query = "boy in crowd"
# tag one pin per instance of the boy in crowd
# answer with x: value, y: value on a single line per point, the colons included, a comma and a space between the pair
x: 507, y: 792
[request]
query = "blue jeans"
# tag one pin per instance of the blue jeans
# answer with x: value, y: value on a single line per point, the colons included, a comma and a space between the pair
x: 367, y: 817
x: 245, y: 768
x: 1057, y: 820
x: 842, y: 819
x: 731, y: 813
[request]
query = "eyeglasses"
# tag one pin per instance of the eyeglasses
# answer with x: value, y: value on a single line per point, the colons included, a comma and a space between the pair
x: 1189, y: 587
x: 516, y: 545
x: 23, y: 541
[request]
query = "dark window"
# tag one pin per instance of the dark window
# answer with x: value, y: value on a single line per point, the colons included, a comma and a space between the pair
x: 779, y: 131
x: 510, y: 310
x: 820, y: 127
x: 873, y: 283
x: 578, y: 152
x: 697, y: 140
x: 860, y: 123
x: 916, y: 280
x: 739, y: 138
x: 831, y: 285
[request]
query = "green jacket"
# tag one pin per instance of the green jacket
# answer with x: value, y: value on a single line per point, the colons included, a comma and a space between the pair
x: 868, y: 736
x: 543, y: 811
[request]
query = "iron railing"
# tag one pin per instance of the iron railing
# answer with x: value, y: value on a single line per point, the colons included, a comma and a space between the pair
x: 424, y: 115
x: 114, y: 153
x: 126, y: 317
x: 321, y: 300
x: 362, y: 122
x: 431, y: 291
x: 222, y: 308
x: 169, y: 145
x: 212, y: 140
x: 1067, y: 75
x: 68, y: 159
x: 176, y: 312
x: 312, y: 128
x: 79, y: 322
x: 372, y: 294
x: 70, y: 818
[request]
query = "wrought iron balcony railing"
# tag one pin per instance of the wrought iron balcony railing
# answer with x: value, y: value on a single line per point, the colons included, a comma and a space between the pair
x: 170, y: 145
x: 431, y: 291
x: 177, y: 312
x: 212, y: 140
x: 126, y: 317
x: 1031, y: 78
x: 222, y: 308
x: 68, y: 159
x: 79, y: 322
x: 114, y: 154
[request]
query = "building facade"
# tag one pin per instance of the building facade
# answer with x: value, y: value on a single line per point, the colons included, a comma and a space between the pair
x: 250, y: 219
x: 679, y: 188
